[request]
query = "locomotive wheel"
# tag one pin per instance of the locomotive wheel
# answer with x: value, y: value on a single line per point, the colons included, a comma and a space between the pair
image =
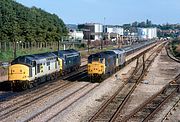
x: 30, y: 85
x: 24, y: 85
x: 35, y: 84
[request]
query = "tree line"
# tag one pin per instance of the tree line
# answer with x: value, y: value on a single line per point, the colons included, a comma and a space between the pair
x: 20, y: 23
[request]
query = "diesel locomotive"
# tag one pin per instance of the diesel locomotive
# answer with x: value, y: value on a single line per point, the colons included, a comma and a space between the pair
x: 29, y: 70
x: 104, y: 64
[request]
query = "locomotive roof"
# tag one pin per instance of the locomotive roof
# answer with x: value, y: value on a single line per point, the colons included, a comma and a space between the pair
x: 27, y: 59
x: 118, y: 51
x: 41, y: 56
x: 102, y: 54
x: 64, y: 52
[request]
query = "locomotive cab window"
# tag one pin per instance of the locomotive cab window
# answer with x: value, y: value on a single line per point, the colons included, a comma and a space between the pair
x: 33, y: 64
x: 101, y: 60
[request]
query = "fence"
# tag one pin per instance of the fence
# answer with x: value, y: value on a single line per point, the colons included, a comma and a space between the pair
x: 5, y: 46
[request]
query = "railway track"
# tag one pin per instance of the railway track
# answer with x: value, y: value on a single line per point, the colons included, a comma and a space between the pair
x: 62, y: 104
x: 27, y: 98
x: 112, y: 107
x: 42, y: 87
x: 30, y: 100
x: 151, y: 106
x: 25, y: 106
x: 170, y: 111
x: 78, y: 76
x: 148, y: 109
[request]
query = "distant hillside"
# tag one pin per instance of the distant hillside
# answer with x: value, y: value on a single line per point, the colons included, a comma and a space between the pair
x: 72, y: 26
x: 20, y: 23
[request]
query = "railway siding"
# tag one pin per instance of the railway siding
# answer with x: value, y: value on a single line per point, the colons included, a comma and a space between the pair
x: 36, y: 107
x: 159, y: 75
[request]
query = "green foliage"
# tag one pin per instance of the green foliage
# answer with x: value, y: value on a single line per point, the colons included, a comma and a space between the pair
x: 174, y: 45
x: 20, y: 23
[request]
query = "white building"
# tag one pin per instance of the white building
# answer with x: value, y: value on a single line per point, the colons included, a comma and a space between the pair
x: 76, y: 35
x: 147, y: 33
x: 113, y: 33
x: 116, y: 30
x: 92, y: 31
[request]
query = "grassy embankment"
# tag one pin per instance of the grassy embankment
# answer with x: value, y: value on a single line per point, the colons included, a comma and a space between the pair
x: 9, y: 55
x: 175, y: 48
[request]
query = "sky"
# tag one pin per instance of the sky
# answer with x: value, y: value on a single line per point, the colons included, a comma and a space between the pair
x: 114, y: 12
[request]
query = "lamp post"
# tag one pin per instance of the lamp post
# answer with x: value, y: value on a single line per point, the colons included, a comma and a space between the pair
x: 15, y: 48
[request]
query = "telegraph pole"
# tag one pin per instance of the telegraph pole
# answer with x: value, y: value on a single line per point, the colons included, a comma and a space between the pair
x: 103, y: 35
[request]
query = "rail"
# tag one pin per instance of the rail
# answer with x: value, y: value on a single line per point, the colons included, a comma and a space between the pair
x: 149, y: 101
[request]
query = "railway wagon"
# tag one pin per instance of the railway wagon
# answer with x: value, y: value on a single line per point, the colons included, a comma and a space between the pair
x: 29, y: 70
x: 69, y: 60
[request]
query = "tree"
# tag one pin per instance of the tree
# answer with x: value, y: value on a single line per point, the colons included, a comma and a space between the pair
x: 18, y: 22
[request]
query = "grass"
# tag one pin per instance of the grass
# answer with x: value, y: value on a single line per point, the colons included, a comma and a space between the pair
x: 178, y: 49
x: 175, y: 49
x: 9, y: 55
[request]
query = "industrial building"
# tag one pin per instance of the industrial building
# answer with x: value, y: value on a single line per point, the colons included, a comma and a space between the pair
x: 147, y: 33
x: 92, y: 31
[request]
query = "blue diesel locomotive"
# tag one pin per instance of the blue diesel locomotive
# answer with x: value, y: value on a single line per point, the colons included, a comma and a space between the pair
x: 103, y: 64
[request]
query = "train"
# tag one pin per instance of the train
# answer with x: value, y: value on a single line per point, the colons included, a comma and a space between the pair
x: 29, y: 70
x: 106, y: 63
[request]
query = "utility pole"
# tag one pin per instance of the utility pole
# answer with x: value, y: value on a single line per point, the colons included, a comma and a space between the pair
x: 88, y: 41
x: 103, y: 34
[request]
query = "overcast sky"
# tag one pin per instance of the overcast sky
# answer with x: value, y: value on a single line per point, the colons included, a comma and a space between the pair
x: 114, y: 11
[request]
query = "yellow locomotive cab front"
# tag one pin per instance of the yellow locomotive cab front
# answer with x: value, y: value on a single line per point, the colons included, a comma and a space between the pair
x: 96, y: 68
x: 18, y: 72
